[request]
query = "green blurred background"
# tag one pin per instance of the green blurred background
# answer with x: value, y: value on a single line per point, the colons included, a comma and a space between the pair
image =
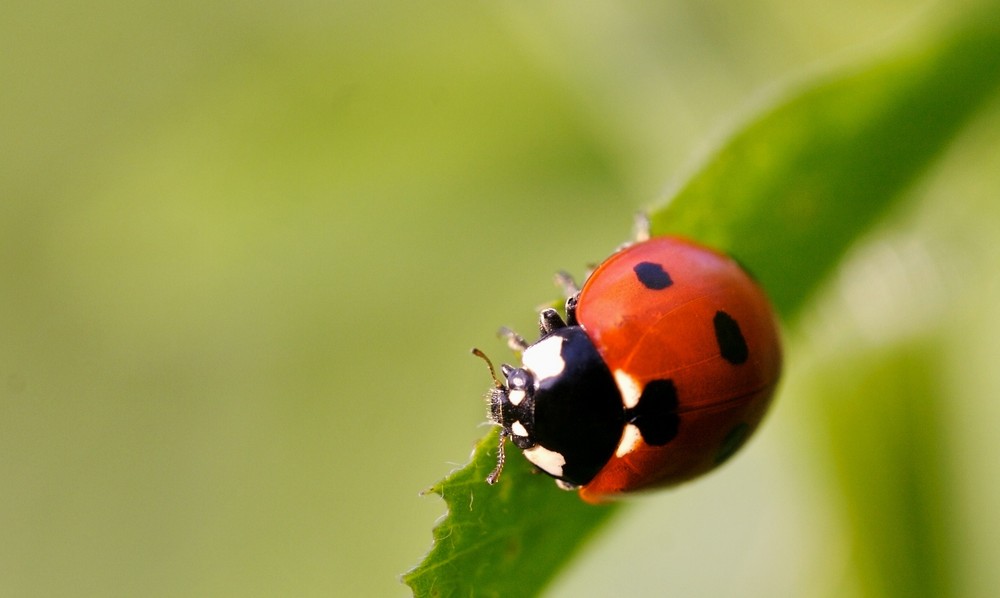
x: 246, y: 246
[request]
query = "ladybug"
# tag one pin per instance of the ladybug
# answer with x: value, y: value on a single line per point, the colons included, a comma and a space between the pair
x: 664, y: 366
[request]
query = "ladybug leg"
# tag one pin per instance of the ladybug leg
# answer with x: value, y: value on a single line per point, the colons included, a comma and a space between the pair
x: 549, y: 321
x: 571, y: 309
x: 514, y: 340
x: 640, y: 231
x: 572, y: 293
x: 565, y: 281
x: 642, y: 226
x: 564, y: 485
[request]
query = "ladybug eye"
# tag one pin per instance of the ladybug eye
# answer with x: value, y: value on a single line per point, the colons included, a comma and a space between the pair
x: 519, y: 379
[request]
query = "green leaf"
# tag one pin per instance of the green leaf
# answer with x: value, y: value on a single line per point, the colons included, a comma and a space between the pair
x: 502, y: 540
x: 884, y: 414
x: 786, y: 195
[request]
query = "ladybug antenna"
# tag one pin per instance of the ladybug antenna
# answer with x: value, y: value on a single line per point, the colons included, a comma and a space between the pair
x: 504, y: 432
x: 493, y: 373
x: 494, y: 476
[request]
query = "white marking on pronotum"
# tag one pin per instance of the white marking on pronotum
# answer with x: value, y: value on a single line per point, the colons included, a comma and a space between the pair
x: 544, y: 358
x: 548, y: 461
x: 515, y: 397
x: 630, y: 441
x: 629, y: 387
x: 518, y: 429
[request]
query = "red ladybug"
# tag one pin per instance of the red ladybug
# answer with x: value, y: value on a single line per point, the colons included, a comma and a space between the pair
x: 664, y: 366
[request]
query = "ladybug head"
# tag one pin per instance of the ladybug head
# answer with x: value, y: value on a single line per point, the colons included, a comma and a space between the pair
x: 512, y: 407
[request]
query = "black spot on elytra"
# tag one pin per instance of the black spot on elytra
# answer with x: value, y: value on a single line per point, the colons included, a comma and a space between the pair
x: 732, y: 442
x: 656, y: 414
x: 732, y: 345
x: 652, y: 276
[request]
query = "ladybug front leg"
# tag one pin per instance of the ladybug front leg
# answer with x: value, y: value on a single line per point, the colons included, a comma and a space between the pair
x: 514, y: 340
x: 549, y: 321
